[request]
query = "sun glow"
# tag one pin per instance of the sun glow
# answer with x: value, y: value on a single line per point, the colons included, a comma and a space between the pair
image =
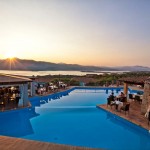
x: 10, y: 55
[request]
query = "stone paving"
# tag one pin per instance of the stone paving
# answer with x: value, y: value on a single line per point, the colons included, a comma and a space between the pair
x: 10, y: 143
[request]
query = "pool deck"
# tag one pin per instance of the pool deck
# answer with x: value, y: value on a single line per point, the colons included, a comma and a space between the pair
x: 133, y: 116
x: 10, y: 143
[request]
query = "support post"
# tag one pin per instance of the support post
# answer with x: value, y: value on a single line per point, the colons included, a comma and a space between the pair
x: 146, y: 98
x: 126, y: 89
x: 25, y: 95
x: 32, y: 90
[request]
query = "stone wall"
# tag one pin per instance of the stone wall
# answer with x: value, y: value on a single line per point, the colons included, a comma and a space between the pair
x: 146, y: 98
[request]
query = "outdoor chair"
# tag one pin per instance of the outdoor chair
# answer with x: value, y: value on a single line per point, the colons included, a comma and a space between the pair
x: 12, y: 102
x: 131, y: 96
x: 137, y: 98
x: 108, y: 102
x: 125, y: 108
x: 148, y: 117
x: 2, y: 103
x: 123, y: 99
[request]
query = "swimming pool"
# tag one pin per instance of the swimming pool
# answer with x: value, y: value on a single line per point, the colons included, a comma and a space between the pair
x: 71, y: 117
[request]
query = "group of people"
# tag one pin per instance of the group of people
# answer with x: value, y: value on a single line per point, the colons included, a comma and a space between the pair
x: 117, y: 101
x: 42, y: 89
x: 9, y: 97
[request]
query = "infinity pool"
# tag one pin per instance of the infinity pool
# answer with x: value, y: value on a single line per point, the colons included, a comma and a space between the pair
x: 72, y: 118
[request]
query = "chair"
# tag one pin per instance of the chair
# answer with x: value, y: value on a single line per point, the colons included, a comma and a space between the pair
x: 109, y: 102
x: 2, y: 103
x: 12, y: 102
x: 125, y: 108
x: 148, y: 117
x: 131, y: 96
x: 123, y: 99
x: 137, y: 98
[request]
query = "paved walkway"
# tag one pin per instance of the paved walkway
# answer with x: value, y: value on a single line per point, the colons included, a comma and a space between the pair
x: 9, y: 143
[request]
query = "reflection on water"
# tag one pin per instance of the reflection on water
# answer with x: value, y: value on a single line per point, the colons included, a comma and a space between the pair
x: 41, y: 73
x: 35, y: 73
x: 117, y: 90
x: 38, y: 101
x: 75, y: 98
x: 17, y: 123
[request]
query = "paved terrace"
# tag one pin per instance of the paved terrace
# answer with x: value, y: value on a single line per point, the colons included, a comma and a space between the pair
x: 134, y: 115
x: 10, y: 143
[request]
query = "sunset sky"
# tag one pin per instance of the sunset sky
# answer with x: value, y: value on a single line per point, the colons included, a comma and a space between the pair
x: 86, y: 32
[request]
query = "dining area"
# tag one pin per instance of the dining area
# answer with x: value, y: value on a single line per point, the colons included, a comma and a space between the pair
x: 13, y: 92
x: 9, y: 97
x: 131, y: 111
x: 123, y: 100
x: 137, y: 101
x: 118, y: 103
x: 136, y: 97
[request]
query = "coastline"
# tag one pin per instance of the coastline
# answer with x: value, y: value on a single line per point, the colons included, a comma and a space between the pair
x: 43, y: 73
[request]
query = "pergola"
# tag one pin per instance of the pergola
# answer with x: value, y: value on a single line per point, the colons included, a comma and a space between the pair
x: 144, y: 81
x: 7, y: 80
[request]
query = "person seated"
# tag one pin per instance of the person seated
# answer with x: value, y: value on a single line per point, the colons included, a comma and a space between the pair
x: 120, y: 105
x: 112, y: 97
x: 122, y: 94
x: 117, y: 104
x: 121, y: 97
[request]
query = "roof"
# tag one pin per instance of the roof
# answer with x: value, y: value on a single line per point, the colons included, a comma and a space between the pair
x: 6, y: 79
x: 135, y: 80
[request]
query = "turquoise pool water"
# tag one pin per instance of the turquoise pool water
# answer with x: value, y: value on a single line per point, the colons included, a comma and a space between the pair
x: 72, y: 118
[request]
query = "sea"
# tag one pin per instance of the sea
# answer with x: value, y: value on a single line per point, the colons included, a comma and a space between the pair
x: 42, y: 73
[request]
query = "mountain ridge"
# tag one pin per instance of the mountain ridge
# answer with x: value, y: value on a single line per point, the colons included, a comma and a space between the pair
x: 33, y: 65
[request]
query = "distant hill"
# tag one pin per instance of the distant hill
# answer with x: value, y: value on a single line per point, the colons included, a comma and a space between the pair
x: 133, y: 68
x: 32, y: 65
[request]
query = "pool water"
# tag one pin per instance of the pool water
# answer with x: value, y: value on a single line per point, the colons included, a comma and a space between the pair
x: 72, y: 118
